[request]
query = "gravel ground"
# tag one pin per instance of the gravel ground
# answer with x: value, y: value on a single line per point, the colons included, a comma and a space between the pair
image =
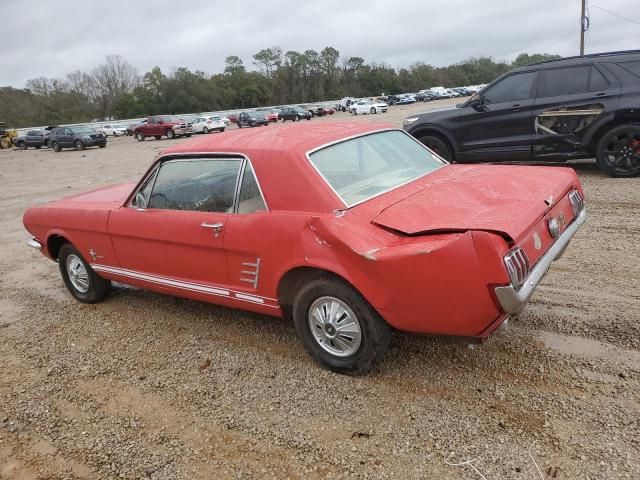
x: 150, y: 386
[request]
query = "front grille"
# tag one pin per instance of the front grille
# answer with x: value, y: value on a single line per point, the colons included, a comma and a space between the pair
x: 577, y: 202
x: 517, y: 265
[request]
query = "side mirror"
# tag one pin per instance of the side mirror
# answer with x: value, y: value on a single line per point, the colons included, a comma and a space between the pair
x: 476, y: 102
x: 141, y: 202
x: 159, y: 122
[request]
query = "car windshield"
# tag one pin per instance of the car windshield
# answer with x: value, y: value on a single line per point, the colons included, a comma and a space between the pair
x: 81, y: 130
x: 169, y: 118
x: 364, y: 167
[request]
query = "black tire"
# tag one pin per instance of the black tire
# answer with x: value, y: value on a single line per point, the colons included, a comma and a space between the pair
x: 375, y: 332
x: 252, y: 124
x: 79, y: 145
x: 23, y: 145
x: 618, y: 151
x: 97, y: 287
x: 308, y: 118
x: 158, y: 137
x: 221, y: 129
x: 297, y: 118
x: 170, y: 134
x: 373, y: 110
x: 55, y: 146
x: 140, y: 136
x: 38, y: 147
x: 205, y: 130
x: 102, y: 145
x: 438, y: 145
x: 188, y: 135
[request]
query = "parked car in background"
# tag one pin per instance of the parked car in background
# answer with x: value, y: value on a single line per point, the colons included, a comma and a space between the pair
x: 556, y: 110
x: 233, y: 117
x: 271, y: 116
x: 347, y: 230
x: 294, y: 113
x: 251, y: 119
x: 225, y: 120
x: 364, y: 107
x: 159, y: 126
x: 33, y: 138
x: 75, y: 137
x: 207, y: 124
x: 406, y: 100
x: 114, y: 130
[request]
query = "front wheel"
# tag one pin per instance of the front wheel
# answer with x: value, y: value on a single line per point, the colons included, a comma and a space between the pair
x: 339, y: 328
x: 55, y: 146
x: 437, y: 145
x: 205, y: 130
x: 22, y: 145
x: 79, y: 145
x: 618, y: 151
x: 170, y: 134
x: 373, y: 110
x: 80, y: 279
x: 140, y: 137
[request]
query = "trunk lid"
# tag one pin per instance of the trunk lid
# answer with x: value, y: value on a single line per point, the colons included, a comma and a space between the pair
x: 508, y: 200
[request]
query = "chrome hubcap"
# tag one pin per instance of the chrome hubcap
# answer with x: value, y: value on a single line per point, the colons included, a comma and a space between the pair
x: 334, y: 326
x: 78, y: 274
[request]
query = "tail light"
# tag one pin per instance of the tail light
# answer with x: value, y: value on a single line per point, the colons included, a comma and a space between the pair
x: 577, y: 202
x: 517, y: 265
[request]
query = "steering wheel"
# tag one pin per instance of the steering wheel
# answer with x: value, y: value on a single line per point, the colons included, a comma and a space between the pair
x: 189, y: 194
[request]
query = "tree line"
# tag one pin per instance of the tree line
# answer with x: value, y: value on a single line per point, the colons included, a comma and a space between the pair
x: 115, y: 89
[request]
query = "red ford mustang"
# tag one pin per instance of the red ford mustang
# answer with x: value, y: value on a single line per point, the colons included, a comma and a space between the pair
x: 353, y: 229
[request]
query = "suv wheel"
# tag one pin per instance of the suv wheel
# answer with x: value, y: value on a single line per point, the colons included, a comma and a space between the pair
x: 22, y: 145
x: 140, y: 136
x: 79, y: 145
x: 439, y: 146
x: 55, y: 146
x: 338, y: 327
x: 618, y: 151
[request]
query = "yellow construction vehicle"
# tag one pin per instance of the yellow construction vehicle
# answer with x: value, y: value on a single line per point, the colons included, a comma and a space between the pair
x: 6, y: 136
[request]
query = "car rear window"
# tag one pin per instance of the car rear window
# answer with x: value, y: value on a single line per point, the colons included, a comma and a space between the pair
x: 633, y: 67
x: 364, y: 167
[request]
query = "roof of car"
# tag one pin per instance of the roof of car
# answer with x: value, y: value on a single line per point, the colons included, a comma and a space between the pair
x: 625, y: 55
x: 277, y: 154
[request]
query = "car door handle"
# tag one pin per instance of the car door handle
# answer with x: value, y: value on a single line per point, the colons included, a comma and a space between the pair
x: 216, y: 227
x: 516, y: 107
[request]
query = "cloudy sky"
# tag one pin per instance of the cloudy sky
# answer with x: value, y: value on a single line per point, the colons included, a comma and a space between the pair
x: 51, y: 38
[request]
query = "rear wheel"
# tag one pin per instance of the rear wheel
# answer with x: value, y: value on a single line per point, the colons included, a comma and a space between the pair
x: 221, y: 129
x: 338, y: 327
x: 438, y: 145
x: 80, y: 279
x: 79, y: 145
x: 170, y: 133
x: 55, y: 146
x: 618, y: 151
x: 205, y: 130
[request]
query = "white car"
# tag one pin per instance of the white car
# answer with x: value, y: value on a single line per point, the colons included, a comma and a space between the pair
x: 114, y: 130
x: 364, y: 107
x: 208, y: 124
x: 224, y: 119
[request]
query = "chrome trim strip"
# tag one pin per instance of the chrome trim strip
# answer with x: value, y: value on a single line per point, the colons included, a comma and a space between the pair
x: 33, y: 243
x: 189, y: 286
x: 512, y: 300
x: 372, y: 132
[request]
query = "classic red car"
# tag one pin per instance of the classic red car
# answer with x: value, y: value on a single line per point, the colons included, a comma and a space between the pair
x: 352, y: 229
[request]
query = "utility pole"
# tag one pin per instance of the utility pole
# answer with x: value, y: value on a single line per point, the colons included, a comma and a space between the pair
x: 583, y: 24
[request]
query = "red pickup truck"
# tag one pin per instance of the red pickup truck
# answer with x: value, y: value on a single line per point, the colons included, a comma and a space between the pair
x: 162, y: 125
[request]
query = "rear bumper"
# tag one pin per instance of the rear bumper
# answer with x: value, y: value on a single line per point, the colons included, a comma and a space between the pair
x: 512, y: 300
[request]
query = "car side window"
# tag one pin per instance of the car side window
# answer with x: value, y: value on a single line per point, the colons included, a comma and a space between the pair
x: 203, y: 185
x: 250, y: 199
x: 510, y: 89
x: 571, y: 80
x: 68, y: 131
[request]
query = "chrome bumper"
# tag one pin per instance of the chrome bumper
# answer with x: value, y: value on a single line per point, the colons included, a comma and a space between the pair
x: 512, y: 300
x: 33, y: 243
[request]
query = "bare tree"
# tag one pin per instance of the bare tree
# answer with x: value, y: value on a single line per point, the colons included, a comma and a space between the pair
x: 111, y: 79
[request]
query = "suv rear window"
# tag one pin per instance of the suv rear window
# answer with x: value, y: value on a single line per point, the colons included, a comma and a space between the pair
x: 633, y: 67
x: 571, y: 80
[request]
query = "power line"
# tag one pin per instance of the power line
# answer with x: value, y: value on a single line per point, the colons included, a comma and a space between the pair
x: 616, y: 15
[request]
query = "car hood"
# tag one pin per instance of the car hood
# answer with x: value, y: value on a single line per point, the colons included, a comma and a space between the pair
x: 507, y: 200
x: 109, y: 197
x: 439, y: 114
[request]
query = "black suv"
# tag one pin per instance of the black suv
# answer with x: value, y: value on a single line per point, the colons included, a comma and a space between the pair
x: 251, y: 119
x: 33, y: 138
x: 75, y: 137
x: 548, y: 111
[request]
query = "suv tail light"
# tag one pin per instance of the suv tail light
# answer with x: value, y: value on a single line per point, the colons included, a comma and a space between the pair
x: 577, y: 202
x: 517, y: 265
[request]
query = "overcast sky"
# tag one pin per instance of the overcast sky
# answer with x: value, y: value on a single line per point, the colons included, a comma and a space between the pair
x: 51, y: 38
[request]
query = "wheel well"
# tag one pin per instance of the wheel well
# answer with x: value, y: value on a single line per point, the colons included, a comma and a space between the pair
x: 606, y: 127
x: 435, y: 133
x: 293, y: 280
x: 54, y: 243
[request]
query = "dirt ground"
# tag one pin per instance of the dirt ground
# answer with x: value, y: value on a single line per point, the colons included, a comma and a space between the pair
x: 150, y: 386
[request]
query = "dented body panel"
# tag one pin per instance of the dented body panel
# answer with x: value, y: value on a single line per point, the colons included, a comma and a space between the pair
x: 426, y: 255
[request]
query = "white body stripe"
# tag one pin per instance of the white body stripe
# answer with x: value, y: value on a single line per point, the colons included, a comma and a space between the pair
x: 189, y: 286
